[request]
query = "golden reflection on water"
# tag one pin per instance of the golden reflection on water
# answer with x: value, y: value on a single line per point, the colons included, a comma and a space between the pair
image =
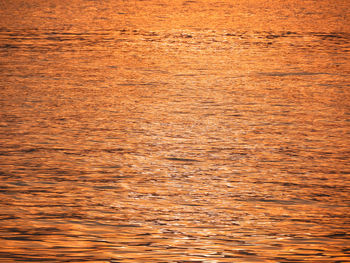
x: 190, y: 131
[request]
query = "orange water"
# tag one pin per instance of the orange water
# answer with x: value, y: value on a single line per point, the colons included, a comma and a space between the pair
x: 174, y: 131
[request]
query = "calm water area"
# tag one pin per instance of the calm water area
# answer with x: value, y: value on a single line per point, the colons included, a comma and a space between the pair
x: 174, y: 131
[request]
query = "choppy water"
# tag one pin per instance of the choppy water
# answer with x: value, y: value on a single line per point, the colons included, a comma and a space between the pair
x: 183, y: 131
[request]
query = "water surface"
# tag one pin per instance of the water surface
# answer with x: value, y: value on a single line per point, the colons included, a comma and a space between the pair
x: 190, y: 131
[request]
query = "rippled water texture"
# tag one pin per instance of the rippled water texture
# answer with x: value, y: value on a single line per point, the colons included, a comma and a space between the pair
x: 174, y: 131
